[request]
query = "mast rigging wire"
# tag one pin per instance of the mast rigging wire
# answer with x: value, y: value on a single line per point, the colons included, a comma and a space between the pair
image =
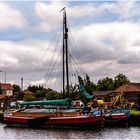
x: 50, y: 64
x: 43, y: 56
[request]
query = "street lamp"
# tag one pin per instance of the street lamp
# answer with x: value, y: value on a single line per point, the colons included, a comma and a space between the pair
x: 4, y: 75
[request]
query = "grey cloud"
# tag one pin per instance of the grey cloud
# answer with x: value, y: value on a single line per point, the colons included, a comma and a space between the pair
x: 129, y: 58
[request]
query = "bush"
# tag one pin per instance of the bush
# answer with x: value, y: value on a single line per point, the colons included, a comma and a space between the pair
x: 28, y: 97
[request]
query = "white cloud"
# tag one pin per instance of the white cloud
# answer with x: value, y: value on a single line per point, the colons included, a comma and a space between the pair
x: 127, y: 9
x: 107, y: 41
x: 105, y: 49
x: 25, y: 55
x: 10, y: 17
x: 50, y: 16
x: 48, y: 84
x: 124, y: 9
x: 38, y: 82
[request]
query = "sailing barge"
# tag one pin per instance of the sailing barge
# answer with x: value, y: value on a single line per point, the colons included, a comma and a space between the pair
x: 52, y: 117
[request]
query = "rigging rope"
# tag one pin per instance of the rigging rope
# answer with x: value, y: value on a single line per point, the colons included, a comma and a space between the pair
x: 49, y: 70
x: 37, y: 68
x: 53, y: 68
x: 77, y: 54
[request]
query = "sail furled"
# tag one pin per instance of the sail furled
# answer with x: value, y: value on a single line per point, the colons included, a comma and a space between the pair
x: 82, y: 89
x: 61, y: 102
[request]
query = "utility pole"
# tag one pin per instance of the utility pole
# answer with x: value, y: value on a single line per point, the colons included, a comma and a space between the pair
x: 21, y: 84
x: 4, y: 75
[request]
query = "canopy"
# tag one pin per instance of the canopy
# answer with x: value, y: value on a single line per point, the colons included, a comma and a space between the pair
x: 82, y: 89
x: 61, y: 102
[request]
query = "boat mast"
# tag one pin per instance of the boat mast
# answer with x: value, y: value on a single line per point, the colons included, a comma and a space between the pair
x: 63, y: 58
x: 65, y: 53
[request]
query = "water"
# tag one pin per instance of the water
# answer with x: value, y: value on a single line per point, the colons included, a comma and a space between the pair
x: 102, y: 133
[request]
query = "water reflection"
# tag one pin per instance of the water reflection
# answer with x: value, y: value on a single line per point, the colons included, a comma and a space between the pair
x: 103, y: 133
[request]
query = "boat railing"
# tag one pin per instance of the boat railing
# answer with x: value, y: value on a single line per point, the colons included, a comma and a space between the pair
x: 94, y: 112
x: 118, y: 110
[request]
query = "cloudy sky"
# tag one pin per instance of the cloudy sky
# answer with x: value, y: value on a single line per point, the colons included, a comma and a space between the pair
x: 106, y: 35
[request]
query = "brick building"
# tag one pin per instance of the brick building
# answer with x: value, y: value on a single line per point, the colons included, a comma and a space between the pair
x: 6, y: 89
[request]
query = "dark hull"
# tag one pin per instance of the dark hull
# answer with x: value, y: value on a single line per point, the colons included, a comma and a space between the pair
x: 25, y: 121
x: 74, y: 122
x: 61, y: 122
x: 135, y: 120
x: 117, y: 120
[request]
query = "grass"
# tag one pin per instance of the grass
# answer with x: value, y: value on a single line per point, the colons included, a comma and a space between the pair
x: 1, y: 111
x: 133, y: 111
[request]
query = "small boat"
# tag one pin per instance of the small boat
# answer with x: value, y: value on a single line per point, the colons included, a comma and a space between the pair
x: 117, y: 117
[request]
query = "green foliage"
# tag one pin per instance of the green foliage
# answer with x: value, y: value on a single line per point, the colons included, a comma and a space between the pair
x: 16, y: 88
x: 110, y: 84
x: 40, y: 93
x: 51, y: 94
x: 89, y: 86
x: 73, y: 91
x: 105, y: 84
x: 17, y: 92
x: 102, y: 85
x: 35, y: 88
x: 59, y: 96
x: 28, y: 97
x: 120, y: 80
x: 75, y: 94
x: 20, y: 96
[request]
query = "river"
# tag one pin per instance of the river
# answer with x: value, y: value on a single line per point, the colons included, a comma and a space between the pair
x: 102, y: 133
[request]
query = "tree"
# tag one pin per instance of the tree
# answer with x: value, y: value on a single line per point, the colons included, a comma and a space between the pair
x: 120, y: 80
x: 28, y: 97
x: 35, y: 88
x: 40, y: 94
x: 16, y: 88
x: 59, y: 95
x: 16, y: 92
x: 105, y: 84
x: 89, y: 86
x: 110, y: 84
x: 73, y: 91
x: 51, y: 94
